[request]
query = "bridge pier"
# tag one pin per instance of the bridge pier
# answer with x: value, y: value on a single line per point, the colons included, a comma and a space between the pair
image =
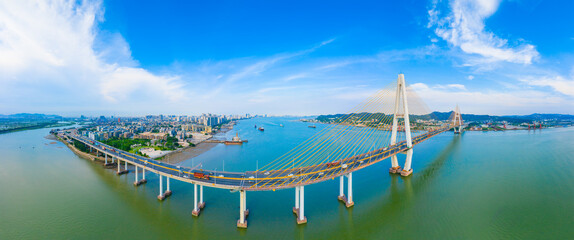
x: 168, y: 191
x: 296, y: 208
x: 341, y: 188
x: 143, y: 180
x: 243, y: 212
x: 108, y: 163
x: 348, y: 200
x: 301, y: 219
x: 120, y: 172
x: 201, y: 203
x: 395, y: 168
x: 163, y: 195
x: 196, y: 208
x: 408, y: 170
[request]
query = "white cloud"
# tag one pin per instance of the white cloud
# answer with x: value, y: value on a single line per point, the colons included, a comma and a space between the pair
x: 557, y: 83
x: 452, y: 87
x: 334, y: 65
x: 464, y: 28
x: 490, y: 101
x: 120, y: 85
x: 54, y: 46
x: 470, y: 77
x: 295, y: 76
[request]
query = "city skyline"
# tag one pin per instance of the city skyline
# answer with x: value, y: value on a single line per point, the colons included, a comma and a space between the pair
x: 116, y: 58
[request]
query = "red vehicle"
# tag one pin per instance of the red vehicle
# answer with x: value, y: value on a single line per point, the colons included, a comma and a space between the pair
x: 333, y: 164
x: 200, y: 175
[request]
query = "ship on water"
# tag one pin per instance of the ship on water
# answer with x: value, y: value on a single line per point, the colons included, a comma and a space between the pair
x: 235, y: 140
x: 261, y: 129
x: 313, y: 126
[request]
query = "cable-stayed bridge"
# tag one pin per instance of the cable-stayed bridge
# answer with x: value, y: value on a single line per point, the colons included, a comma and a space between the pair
x: 385, y: 125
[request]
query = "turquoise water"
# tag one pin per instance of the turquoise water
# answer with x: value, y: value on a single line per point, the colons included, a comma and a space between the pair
x: 481, y: 185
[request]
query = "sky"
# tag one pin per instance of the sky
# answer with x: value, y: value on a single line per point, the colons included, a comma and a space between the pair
x: 133, y: 58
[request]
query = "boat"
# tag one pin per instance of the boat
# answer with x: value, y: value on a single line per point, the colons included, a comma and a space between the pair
x: 280, y: 125
x: 255, y: 126
x: 313, y: 126
x: 235, y: 140
x: 261, y: 129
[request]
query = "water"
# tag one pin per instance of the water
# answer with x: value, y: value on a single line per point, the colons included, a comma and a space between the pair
x: 481, y: 185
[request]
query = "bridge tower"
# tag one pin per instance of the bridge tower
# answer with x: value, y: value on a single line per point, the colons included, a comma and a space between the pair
x: 401, y: 104
x: 457, y: 121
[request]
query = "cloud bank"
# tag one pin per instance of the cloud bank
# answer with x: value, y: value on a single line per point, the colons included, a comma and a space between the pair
x: 463, y: 27
x: 55, y: 46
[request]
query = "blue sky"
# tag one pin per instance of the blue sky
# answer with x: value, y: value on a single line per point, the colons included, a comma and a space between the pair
x: 297, y: 57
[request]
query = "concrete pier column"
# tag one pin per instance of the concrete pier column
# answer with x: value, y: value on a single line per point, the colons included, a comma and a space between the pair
x: 408, y: 170
x: 113, y: 159
x: 160, y: 196
x: 349, y: 202
x: 341, y: 188
x: 196, y: 209
x: 168, y: 185
x: 296, y: 208
x: 143, y: 180
x: 242, y: 223
x: 106, y: 159
x: 120, y: 172
x: 136, y: 182
x: 395, y: 167
x: 301, y: 219
x: 201, y: 202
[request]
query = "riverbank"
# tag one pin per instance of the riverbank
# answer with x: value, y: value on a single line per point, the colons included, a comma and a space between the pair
x: 37, y: 126
x: 191, y: 152
x: 93, y: 158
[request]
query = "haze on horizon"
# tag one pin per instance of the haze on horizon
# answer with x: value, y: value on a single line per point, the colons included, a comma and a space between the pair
x: 298, y: 58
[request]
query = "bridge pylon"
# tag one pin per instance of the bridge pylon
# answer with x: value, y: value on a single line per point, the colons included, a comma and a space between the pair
x: 401, y: 104
x: 457, y: 121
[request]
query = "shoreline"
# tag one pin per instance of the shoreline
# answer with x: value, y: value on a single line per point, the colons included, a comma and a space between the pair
x: 190, y: 152
x: 173, y: 157
x: 87, y: 156
x: 34, y: 127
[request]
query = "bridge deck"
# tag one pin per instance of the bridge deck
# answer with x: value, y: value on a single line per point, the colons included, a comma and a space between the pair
x: 260, y: 180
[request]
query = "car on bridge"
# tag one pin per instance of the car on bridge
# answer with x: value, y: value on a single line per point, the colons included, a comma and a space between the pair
x: 201, y: 175
x: 333, y: 164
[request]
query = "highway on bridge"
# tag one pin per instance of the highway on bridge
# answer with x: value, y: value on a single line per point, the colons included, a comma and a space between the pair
x: 259, y: 180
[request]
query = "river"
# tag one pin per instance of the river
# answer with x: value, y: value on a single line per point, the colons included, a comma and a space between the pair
x: 478, y: 185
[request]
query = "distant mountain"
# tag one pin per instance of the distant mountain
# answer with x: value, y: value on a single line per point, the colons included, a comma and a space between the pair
x: 30, y: 116
x: 446, y: 115
x: 510, y: 118
x: 540, y: 116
